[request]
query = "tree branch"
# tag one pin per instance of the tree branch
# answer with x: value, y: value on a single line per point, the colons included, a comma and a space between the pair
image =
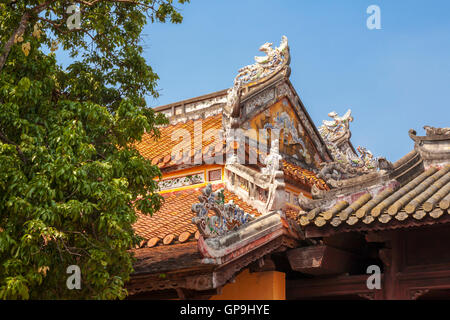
x: 20, y: 30
x: 36, y: 10
x: 5, y: 139
x: 58, y: 26
x: 135, y: 2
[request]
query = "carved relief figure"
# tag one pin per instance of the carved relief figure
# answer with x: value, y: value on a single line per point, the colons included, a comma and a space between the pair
x: 283, y: 122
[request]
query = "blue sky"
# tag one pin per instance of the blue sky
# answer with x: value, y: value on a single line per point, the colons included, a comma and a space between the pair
x: 393, y: 79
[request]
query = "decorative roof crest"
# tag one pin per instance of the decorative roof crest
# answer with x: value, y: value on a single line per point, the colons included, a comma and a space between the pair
x: 432, y: 134
x: 274, y: 60
x: 263, y: 68
x: 432, y: 131
x: 348, y: 164
x: 337, y: 131
x: 227, y: 216
x: 434, y: 148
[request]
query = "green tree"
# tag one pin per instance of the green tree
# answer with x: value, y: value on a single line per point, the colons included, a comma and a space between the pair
x: 70, y: 177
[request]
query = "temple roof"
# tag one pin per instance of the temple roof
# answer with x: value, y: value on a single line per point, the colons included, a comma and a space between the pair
x: 307, y: 182
x: 413, y: 191
x: 298, y: 174
x: 160, y: 150
x: 167, y: 258
x: 194, y: 108
x: 425, y: 196
x: 172, y: 224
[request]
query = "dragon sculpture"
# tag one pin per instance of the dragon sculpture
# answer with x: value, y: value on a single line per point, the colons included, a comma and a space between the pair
x: 227, y: 216
x: 263, y: 68
x: 348, y: 164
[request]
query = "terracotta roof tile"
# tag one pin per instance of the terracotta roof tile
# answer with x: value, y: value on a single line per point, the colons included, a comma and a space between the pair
x: 304, y: 176
x: 291, y: 211
x: 175, y: 216
x: 160, y: 150
x: 184, y: 236
x: 426, y: 195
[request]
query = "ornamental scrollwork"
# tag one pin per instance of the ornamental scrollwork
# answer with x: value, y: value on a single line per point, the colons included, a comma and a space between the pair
x: 274, y: 60
x: 432, y: 131
x: 226, y: 217
x: 347, y: 162
x: 181, y: 182
x: 264, y: 67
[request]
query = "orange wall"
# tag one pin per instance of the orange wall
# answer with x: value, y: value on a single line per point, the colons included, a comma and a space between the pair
x: 268, y: 285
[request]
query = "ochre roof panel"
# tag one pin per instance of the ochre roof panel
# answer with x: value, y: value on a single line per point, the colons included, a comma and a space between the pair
x: 173, y: 222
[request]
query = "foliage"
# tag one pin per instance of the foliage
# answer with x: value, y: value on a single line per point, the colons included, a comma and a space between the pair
x: 70, y: 177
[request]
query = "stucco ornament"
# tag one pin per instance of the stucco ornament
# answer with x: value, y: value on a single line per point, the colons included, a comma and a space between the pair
x: 226, y: 216
x: 336, y: 135
x: 272, y: 160
x: 347, y: 163
x: 180, y: 181
x: 337, y: 129
x: 264, y: 67
x: 432, y: 131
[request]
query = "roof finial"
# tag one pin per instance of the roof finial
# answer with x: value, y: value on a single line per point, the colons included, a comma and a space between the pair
x: 347, y: 163
x: 263, y: 69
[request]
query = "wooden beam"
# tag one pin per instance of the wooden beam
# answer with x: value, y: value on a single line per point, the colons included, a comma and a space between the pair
x: 380, y: 237
x: 352, y: 242
x: 331, y: 287
x: 180, y: 293
x: 200, y: 295
x: 321, y: 260
x: 263, y: 264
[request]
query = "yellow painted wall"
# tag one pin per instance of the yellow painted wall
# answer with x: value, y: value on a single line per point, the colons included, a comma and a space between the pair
x: 294, y: 139
x: 202, y: 170
x: 268, y: 285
